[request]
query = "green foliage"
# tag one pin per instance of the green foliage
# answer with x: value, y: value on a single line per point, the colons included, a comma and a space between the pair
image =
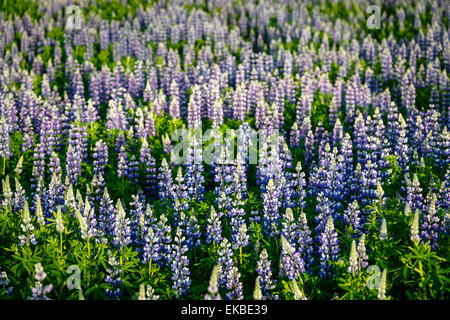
x: 424, y: 273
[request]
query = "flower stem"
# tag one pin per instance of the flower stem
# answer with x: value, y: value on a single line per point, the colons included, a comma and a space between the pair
x: 60, y: 242
x: 150, y: 268
x: 240, y: 256
x: 121, y: 186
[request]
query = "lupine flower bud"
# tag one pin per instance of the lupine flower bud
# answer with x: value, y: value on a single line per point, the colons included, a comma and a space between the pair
x: 59, y: 221
x: 407, y: 210
x: 38, y: 211
x: 415, y: 228
x: 298, y: 294
x: 27, y: 227
x: 7, y: 194
x: 353, y: 260
x: 383, y: 230
x: 146, y: 292
x: 19, y: 166
x: 382, y: 286
x: 257, y: 295
x: 213, y: 289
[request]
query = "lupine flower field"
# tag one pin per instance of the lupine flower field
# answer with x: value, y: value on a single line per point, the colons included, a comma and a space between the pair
x: 99, y: 101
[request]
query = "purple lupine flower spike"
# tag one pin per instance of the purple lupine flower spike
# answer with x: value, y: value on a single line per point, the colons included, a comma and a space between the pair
x: 329, y: 248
